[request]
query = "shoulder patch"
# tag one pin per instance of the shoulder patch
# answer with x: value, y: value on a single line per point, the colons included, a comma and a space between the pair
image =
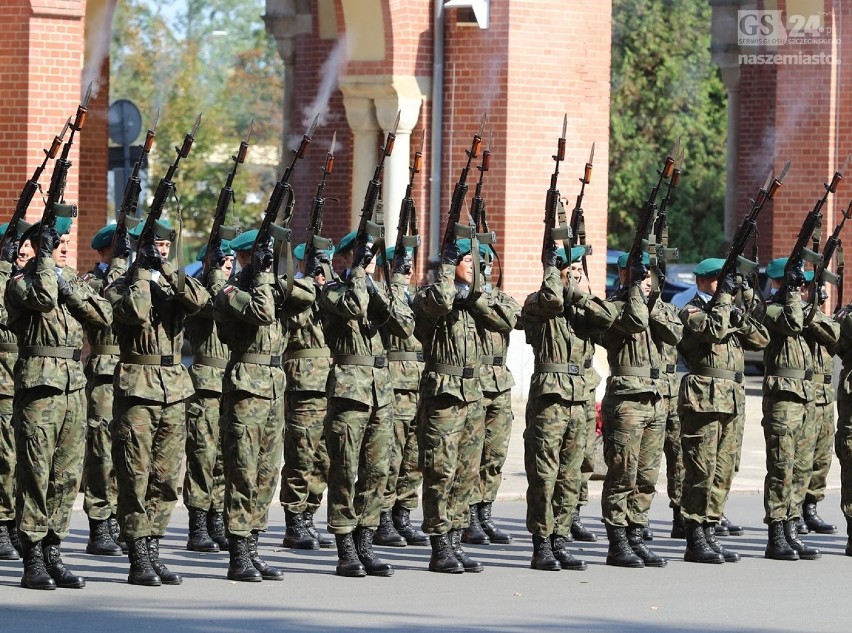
x: 229, y: 289
x: 86, y: 277
x: 19, y: 276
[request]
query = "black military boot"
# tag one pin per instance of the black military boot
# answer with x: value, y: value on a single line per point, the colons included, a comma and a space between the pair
x: 296, y: 536
x: 792, y: 536
x: 543, y: 558
x: 324, y: 541
x: 199, y: 539
x: 216, y: 529
x: 474, y: 534
x: 726, y: 528
x: 166, y: 575
x: 14, y: 538
x: 469, y: 564
x: 848, y: 551
x: 7, y: 550
x: 35, y: 575
x: 374, y: 565
x: 801, y: 526
x: 697, y: 548
x: 443, y: 559
x: 580, y: 532
x: 240, y: 567
x: 115, y: 533
x: 647, y: 534
x: 813, y: 520
x: 267, y: 571
x: 620, y: 554
x: 678, y: 523
x: 100, y: 540
x: 637, y: 543
x: 559, y: 545
x: 348, y: 563
x: 716, y: 546
x: 62, y: 576
x: 141, y: 572
x: 386, y: 533
x: 402, y: 522
x: 777, y: 547
x: 494, y: 533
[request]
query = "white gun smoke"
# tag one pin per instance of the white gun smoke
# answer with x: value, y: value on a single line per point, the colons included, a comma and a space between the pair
x: 329, y: 73
x: 99, y: 15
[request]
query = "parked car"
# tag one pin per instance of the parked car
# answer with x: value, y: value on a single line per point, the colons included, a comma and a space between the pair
x: 612, y: 256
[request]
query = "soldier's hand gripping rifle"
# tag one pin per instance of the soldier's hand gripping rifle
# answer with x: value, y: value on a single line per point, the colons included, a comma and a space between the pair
x: 226, y: 196
x: 553, y: 209
x: 315, y: 243
x: 17, y: 225
x: 822, y: 274
x: 578, y: 220
x: 269, y: 231
x: 406, y: 229
x: 736, y: 263
x: 127, y: 218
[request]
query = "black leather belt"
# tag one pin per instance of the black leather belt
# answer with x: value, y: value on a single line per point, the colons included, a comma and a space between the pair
x: 44, y: 351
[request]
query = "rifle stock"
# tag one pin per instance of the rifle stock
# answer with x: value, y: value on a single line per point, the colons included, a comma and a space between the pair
x: 406, y: 230
x: 315, y: 242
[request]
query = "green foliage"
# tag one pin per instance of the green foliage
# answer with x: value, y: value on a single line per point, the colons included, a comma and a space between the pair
x: 665, y: 86
x: 210, y: 56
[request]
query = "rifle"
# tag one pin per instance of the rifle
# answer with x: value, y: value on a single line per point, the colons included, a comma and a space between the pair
x: 127, y: 215
x: 54, y: 205
x: 315, y: 242
x: 226, y: 196
x: 269, y: 230
x: 479, y: 220
x: 17, y: 224
x: 821, y: 274
x: 553, y: 207
x: 841, y: 265
x: 578, y: 220
x: 659, y: 251
x: 747, y: 232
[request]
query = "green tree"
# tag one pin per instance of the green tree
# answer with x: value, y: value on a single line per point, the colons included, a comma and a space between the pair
x: 664, y: 87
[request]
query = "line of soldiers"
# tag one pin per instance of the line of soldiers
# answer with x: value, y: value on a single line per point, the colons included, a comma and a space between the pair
x: 358, y: 385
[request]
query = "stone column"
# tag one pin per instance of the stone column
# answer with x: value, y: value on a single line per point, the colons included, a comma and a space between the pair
x: 361, y: 116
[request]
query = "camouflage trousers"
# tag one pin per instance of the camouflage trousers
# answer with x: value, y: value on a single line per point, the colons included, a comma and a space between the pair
x: 304, y: 475
x: 101, y: 499
x: 634, y: 431
x: 789, y: 435
x: 672, y: 451
x: 359, y: 438
x: 7, y: 461
x: 710, y: 446
x: 147, y: 450
x: 554, y: 445
x: 404, y: 477
x: 843, y: 448
x: 450, y: 433
x: 50, y: 443
x: 495, y: 448
x: 587, y: 468
x: 823, y: 443
x: 252, y: 431
x: 204, y: 480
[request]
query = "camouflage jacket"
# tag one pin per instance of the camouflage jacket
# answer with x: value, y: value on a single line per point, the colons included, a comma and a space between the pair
x: 99, y: 364
x: 844, y: 350
x: 8, y: 341
x: 307, y: 360
x: 204, y: 341
x: 496, y: 377
x: 451, y: 339
x: 41, y: 318
x: 822, y: 335
x: 711, y: 344
x: 355, y: 321
x: 556, y: 331
x: 148, y: 320
x: 632, y: 345
x: 408, y: 369
x: 669, y: 383
x: 788, y: 351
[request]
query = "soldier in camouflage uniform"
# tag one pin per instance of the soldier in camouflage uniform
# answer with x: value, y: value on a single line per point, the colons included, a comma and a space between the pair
x: 822, y: 337
x: 47, y: 304
x: 204, y: 480
x: 101, y: 499
x: 634, y: 426
x: 451, y: 420
x: 843, y: 437
x: 788, y: 405
x: 150, y: 303
x: 405, y: 358
x: 359, y: 421
x: 712, y: 404
x: 307, y: 361
x: 558, y: 319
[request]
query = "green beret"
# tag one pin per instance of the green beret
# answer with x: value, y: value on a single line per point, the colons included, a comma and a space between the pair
x: 775, y: 268
x: 225, y: 246
x: 3, y: 228
x: 244, y: 241
x: 103, y: 238
x: 346, y: 242
x: 562, y: 261
x: 809, y: 276
x: 622, y: 259
x: 62, y: 226
x: 577, y: 253
x: 709, y: 267
x: 464, y: 246
x: 299, y: 251
x: 389, y: 253
x: 136, y: 231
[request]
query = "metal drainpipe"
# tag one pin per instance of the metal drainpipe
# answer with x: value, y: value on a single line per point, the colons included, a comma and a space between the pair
x: 437, y: 132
